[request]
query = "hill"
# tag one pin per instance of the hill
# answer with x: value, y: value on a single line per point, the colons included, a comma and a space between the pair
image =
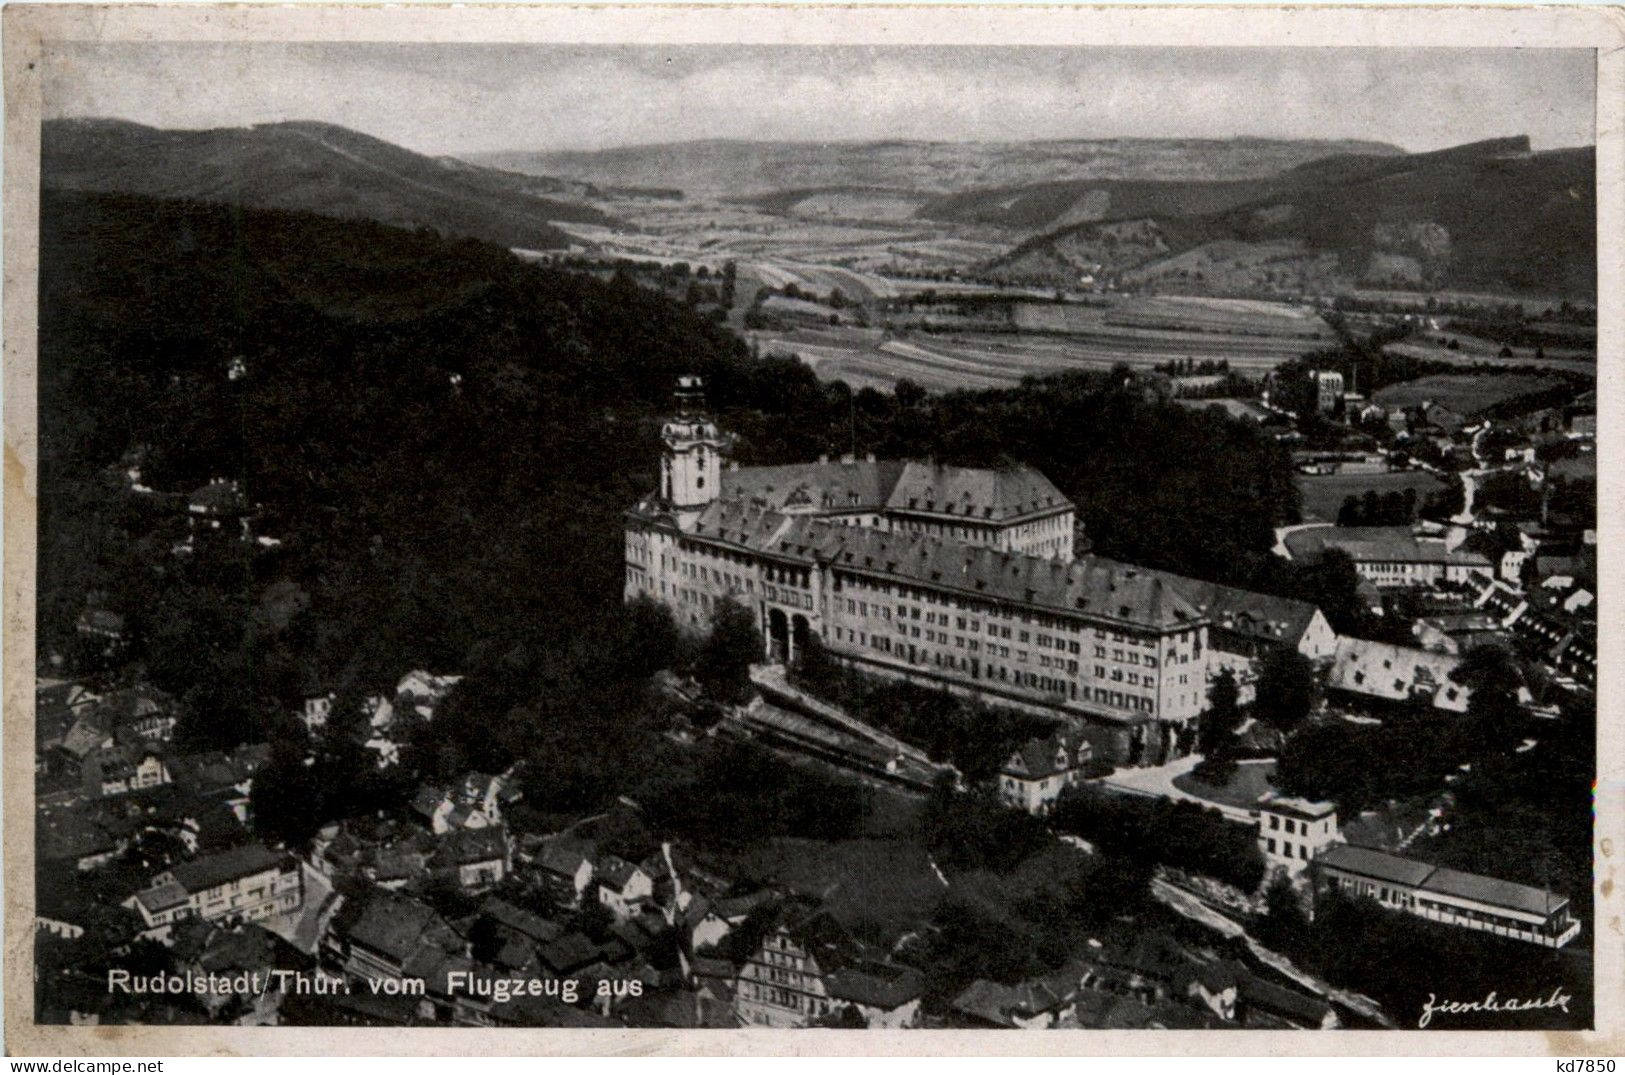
x: 922, y: 170
x: 311, y: 166
x: 444, y: 439
x: 1489, y: 216
x: 437, y: 432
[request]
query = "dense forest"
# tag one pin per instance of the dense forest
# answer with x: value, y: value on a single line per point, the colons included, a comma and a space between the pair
x: 442, y: 438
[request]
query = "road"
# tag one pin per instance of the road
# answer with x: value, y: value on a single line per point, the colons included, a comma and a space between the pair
x: 304, y: 928
x: 1158, y: 781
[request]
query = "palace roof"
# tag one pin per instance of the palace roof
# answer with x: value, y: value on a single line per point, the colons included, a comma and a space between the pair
x: 988, y: 495
x: 1264, y: 617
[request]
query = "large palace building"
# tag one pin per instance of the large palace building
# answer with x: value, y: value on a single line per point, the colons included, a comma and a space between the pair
x: 960, y: 577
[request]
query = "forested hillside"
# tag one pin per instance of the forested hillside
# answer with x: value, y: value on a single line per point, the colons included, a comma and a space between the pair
x: 318, y: 167
x: 1489, y: 215
x: 443, y: 439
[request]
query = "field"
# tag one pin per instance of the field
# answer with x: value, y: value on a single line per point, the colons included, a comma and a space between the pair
x: 1466, y: 394
x: 1141, y: 332
x: 819, y: 247
x: 711, y: 233
x: 1323, y: 494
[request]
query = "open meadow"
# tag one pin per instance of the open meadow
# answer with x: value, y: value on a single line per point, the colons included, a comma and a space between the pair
x: 1323, y: 494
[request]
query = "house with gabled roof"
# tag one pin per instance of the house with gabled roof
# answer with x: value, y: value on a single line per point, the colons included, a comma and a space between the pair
x: 1245, y: 626
x: 622, y: 886
x: 566, y: 866
x: 1036, y: 774
x: 477, y: 858
x: 1037, y: 1004
x: 809, y: 970
x: 378, y: 934
x: 121, y: 769
x: 473, y: 801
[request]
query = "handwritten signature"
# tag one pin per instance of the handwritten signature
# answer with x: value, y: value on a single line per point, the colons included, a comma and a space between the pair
x: 1491, y: 1003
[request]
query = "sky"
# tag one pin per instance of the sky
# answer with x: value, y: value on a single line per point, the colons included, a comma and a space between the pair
x: 461, y: 98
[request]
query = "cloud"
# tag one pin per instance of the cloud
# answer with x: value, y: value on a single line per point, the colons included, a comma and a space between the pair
x: 458, y: 98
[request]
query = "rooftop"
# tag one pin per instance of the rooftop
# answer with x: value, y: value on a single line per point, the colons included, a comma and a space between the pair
x: 1092, y: 586
x: 1304, y: 808
x: 211, y: 870
x: 392, y: 925
x: 1379, y: 543
x: 997, y: 495
x: 1039, y: 758
x: 1396, y: 673
x: 1379, y: 865
x: 1246, y: 612
x: 1492, y: 891
x: 615, y: 872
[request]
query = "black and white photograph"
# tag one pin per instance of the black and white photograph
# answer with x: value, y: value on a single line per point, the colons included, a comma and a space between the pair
x: 724, y: 536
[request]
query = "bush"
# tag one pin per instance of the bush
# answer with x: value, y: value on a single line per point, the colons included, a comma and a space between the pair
x: 1177, y: 834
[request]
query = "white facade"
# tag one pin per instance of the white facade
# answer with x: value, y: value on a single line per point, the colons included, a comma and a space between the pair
x: 1291, y: 832
x: 781, y: 986
x: 691, y: 466
x: 261, y: 889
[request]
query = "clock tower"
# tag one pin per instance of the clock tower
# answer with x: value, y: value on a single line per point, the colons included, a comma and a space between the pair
x: 691, y: 459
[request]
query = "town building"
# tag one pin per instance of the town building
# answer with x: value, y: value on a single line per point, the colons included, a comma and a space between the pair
x: 1397, y: 674
x: 1328, y: 390
x: 1452, y: 897
x: 623, y: 887
x: 565, y: 867
x: 472, y: 802
x: 246, y: 883
x: 1032, y: 1005
x: 477, y: 859
x: 1391, y: 557
x: 1033, y: 777
x: 377, y: 935
x: 1292, y: 831
x: 1245, y: 626
x: 809, y: 970
x: 121, y: 769
x: 960, y: 578
x: 218, y: 509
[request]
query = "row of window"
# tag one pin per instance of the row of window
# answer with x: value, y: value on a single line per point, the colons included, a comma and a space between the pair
x: 1297, y: 828
x: 1286, y: 848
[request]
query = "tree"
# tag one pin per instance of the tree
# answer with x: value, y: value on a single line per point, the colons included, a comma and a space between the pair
x: 733, y: 646
x: 285, y: 802
x: 1286, y: 926
x: 651, y: 641
x: 1221, y: 718
x: 907, y: 393
x: 1287, y: 688
x: 1494, y: 714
